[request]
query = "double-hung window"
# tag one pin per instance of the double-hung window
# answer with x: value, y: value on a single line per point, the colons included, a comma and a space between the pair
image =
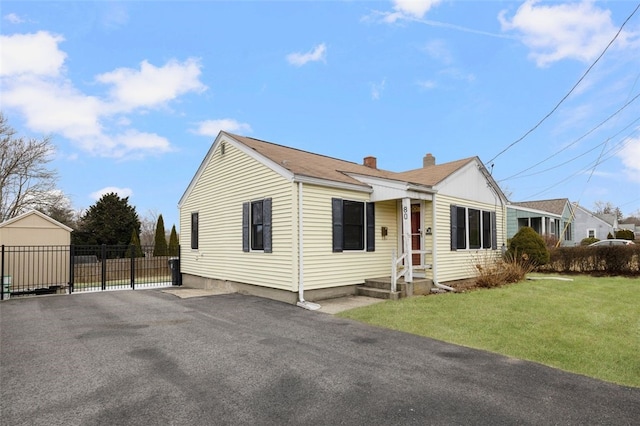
x: 472, y: 229
x: 353, y: 225
x: 256, y: 226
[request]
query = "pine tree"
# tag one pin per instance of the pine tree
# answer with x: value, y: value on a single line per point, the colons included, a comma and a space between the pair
x: 174, y: 245
x: 160, y: 245
x: 135, y: 245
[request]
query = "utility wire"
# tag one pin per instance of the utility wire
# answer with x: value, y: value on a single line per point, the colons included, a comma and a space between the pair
x: 570, y: 91
x: 575, y: 141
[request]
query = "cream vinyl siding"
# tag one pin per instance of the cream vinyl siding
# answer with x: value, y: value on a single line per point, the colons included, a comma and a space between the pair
x: 226, y: 182
x: 33, y: 230
x: 456, y: 265
x: 322, y: 267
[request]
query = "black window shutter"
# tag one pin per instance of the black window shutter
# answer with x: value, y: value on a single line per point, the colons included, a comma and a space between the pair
x: 245, y: 226
x: 494, y: 232
x: 336, y: 215
x: 371, y: 227
x: 454, y: 227
x: 266, y: 225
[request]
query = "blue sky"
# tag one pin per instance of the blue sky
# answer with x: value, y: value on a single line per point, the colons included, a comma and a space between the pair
x: 134, y: 93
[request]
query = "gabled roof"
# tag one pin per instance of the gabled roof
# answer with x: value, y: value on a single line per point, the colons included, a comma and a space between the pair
x: 37, y: 213
x: 555, y: 206
x: 299, y: 165
x: 305, y: 163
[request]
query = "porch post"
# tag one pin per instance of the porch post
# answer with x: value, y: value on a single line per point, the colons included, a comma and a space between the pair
x: 406, y: 238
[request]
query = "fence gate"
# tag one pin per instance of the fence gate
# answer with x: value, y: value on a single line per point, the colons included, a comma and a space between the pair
x: 34, y: 270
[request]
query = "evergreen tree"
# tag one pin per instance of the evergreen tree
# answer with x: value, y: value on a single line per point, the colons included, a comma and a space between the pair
x: 110, y: 221
x: 160, y: 245
x: 135, y: 245
x: 174, y: 245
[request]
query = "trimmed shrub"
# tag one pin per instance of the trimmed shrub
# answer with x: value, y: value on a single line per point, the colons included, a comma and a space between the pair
x: 625, y: 234
x: 528, y: 246
x: 589, y: 240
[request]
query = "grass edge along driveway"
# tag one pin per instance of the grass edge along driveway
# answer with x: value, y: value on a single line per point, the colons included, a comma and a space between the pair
x: 589, y: 326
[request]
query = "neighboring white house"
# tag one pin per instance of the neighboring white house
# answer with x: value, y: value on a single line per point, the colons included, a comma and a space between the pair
x: 591, y: 225
x: 294, y: 225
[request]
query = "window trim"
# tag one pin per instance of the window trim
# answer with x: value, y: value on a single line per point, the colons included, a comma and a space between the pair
x: 195, y: 230
x: 248, y: 230
x: 367, y: 227
x: 462, y: 226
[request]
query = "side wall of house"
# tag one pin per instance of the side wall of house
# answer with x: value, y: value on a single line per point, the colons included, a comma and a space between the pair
x: 322, y: 267
x: 458, y: 264
x: 227, y: 181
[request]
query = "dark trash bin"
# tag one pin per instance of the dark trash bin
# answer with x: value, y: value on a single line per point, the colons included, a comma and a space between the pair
x: 176, y: 276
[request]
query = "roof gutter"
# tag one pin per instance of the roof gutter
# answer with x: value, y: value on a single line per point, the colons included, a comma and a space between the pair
x: 301, y: 302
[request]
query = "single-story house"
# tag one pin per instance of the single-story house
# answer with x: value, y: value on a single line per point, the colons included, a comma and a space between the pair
x: 297, y: 226
x: 34, y: 228
x: 591, y: 225
x: 553, y: 218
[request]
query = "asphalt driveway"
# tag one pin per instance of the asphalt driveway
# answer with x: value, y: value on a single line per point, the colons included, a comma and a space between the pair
x: 151, y: 358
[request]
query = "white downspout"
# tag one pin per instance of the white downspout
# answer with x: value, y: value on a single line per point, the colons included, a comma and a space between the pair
x: 301, y: 302
x: 434, y: 251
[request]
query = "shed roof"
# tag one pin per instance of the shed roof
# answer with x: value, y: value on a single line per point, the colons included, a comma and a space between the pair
x: 37, y: 213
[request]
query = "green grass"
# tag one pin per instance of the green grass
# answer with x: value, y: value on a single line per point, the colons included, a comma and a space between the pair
x: 589, y: 326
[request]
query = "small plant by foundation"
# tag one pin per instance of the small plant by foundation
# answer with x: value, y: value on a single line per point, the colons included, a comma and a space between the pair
x: 497, y: 271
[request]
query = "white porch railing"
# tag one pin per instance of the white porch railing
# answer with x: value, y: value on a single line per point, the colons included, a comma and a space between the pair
x: 399, y: 267
x: 397, y: 262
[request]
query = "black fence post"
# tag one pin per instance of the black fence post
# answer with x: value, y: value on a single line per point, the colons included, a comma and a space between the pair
x: 103, y: 252
x: 132, y: 251
x: 2, y: 274
x: 72, y: 267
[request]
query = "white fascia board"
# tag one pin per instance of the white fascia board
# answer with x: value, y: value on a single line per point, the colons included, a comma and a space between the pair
x: 225, y: 138
x: 332, y: 183
x: 530, y: 210
x: 390, y: 189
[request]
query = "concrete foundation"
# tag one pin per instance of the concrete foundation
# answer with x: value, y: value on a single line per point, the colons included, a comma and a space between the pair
x: 192, y: 281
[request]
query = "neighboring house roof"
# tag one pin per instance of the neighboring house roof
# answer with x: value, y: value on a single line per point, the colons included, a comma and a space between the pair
x: 37, y: 213
x: 555, y: 206
x: 611, y: 219
x: 302, y: 164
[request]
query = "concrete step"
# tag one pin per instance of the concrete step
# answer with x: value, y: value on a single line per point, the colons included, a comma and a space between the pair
x: 377, y: 293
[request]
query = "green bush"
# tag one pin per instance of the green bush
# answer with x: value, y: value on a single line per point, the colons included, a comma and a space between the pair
x: 589, y: 240
x: 528, y: 246
x: 625, y: 234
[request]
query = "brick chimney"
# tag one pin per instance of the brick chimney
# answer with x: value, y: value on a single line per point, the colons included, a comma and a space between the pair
x: 370, y: 162
x: 428, y: 160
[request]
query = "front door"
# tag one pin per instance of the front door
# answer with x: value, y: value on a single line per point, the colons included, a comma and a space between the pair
x: 415, y: 234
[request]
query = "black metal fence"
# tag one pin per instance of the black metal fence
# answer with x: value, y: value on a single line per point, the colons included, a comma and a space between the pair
x: 34, y: 270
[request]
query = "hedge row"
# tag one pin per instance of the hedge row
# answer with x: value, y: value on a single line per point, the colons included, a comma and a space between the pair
x: 611, y: 260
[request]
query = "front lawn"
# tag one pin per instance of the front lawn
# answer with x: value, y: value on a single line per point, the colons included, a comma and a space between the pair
x: 589, y: 326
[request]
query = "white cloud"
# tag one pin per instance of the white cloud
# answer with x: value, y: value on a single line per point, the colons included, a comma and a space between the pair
x: 213, y: 127
x: 438, y: 50
x: 414, y: 8
x: 152, y: 86
x: 121, y: 192
x: 36, y: 54
x: 554, y: 32
x: 377, y: 89
x: 13, y: 18
x: 405, y: 10
x: 427, y: 84
x: 35, y: 84
x: 630, y: 156
x: 318, y: 53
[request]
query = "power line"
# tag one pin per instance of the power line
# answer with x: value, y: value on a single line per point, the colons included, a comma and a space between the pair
x: 570, y: 91
x: 575, y: 141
